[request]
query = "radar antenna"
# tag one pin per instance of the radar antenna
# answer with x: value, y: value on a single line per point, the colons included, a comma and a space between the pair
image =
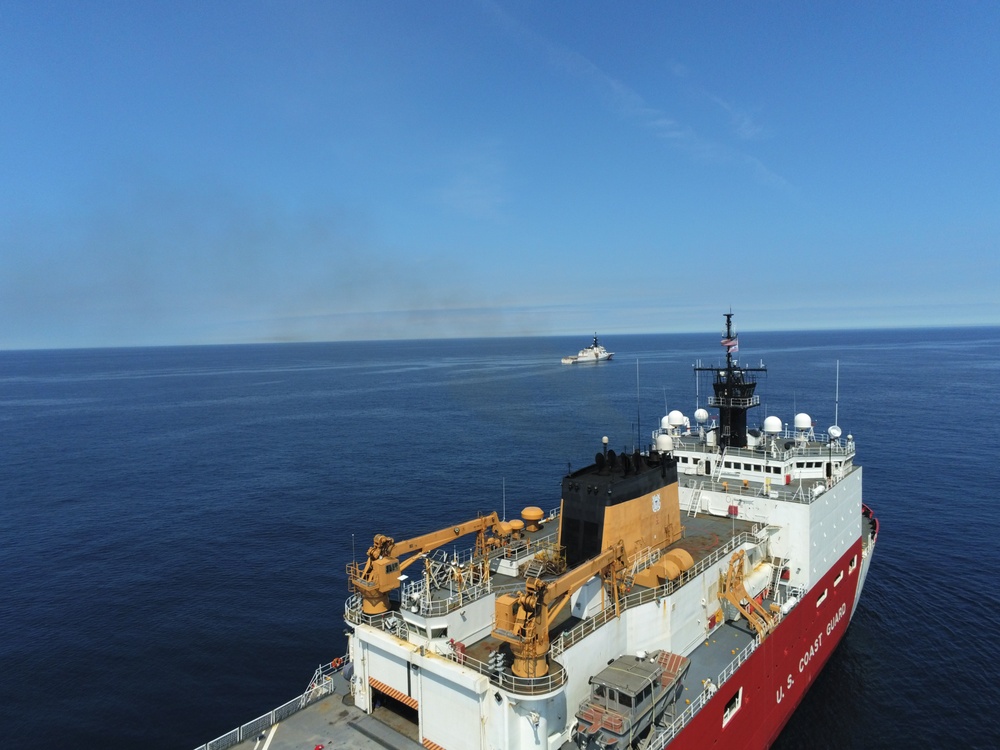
x: 734, y: 388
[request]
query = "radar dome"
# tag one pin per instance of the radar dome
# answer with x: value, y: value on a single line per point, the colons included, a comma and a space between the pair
x: 803, y: 421
x: 772, y: 425
x: 701, y: 416
x: 664, y: 443
x: 676, y: 418
x: 665, y: 423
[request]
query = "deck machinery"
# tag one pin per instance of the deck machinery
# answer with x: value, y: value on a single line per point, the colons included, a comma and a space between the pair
x: 741, y: 551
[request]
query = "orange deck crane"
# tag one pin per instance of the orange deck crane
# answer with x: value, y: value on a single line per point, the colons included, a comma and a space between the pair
x: 381, y: 571
x: 523, y: 619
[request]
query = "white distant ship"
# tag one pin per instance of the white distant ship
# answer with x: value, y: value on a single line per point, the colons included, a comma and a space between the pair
x: 593, y: 353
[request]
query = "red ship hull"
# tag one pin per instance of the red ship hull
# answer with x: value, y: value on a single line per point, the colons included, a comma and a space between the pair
x: 771, y: 683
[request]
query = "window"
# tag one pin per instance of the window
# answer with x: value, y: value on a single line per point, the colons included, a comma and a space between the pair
x: 840, y: 578
x: 599, y: 695
x: 853, y: 564
x: 822, y: 597
x: 732, y: 707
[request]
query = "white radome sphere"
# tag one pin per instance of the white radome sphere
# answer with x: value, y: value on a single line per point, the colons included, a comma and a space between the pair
x: 772, y: 425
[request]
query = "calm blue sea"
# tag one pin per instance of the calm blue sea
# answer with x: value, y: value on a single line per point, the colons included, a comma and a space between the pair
x: 175, y: 522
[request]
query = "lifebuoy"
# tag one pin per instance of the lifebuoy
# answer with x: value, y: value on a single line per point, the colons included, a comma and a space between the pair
x: 336, y: 663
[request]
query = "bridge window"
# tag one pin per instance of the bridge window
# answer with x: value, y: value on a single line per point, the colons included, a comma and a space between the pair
x: 732, y: 707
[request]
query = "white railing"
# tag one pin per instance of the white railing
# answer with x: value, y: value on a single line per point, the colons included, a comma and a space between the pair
x: 431, y: 607
x: 745, y: 403
x: 795, y: 493
x: 510, y: 682
x: 637, y: 598
x: 320, y: 687
x: 662, y: 736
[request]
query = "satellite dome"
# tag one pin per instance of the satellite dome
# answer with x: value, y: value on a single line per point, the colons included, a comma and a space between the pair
x: 665, y: 423
x: 664, y: 443
x: 676, y: 418
x: 701, y: 416
x: 803, y: 421
x: 834, y: 432
x: 772, y: 425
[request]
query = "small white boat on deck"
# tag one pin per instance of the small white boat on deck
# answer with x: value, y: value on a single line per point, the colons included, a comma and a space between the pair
x: 593, y: 353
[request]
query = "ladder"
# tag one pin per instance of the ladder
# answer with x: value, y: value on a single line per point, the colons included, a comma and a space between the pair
x: 717, y: 474
x: 777, y: 565
x: 695, y: 505
x: 534, y: 569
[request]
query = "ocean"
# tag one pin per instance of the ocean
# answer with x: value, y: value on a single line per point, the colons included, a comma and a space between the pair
x: 175, y: 523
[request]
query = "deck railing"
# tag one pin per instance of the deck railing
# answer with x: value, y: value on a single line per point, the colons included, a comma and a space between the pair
x: 644, y: 596
x: 799, y: 492
x: 555, y: 679
x: 320, y: 687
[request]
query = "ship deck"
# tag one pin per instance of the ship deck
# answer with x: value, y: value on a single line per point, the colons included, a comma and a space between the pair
x: 334, y: 721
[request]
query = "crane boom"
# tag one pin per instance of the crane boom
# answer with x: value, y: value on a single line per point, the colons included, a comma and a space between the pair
x: 382, y: 568
x: 523, y: 619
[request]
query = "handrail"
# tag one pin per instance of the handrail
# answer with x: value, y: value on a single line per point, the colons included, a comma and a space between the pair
x: 812, y: 447
x: 732, y: 401
x: 555, y: 679
x: 320, y: 687
x: 576, y: 634
x: 795, y: 493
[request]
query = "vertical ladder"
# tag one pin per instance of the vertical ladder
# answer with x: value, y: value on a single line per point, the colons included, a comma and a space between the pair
x: 717, y: 474
x: 695, y: 501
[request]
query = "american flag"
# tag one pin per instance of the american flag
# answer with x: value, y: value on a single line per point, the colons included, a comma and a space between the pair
x: 732, y: 345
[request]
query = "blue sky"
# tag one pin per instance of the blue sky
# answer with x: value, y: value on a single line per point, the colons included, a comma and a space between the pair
x: 212, y: 172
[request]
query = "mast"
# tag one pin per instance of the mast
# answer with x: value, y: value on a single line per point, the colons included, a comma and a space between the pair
x: 734, y: 389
